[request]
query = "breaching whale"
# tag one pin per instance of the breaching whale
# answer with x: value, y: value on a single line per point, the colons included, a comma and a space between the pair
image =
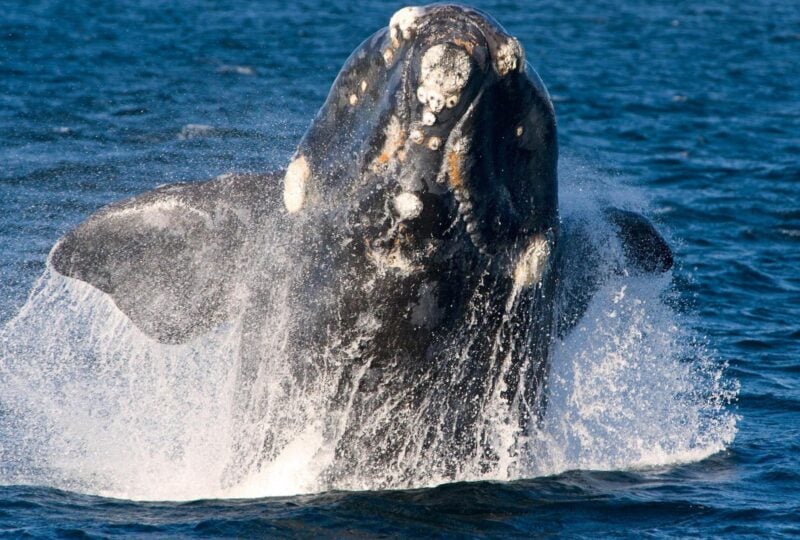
x: 425, y: 269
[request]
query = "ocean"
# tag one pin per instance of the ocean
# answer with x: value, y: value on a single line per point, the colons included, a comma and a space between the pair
x: 674, y: 407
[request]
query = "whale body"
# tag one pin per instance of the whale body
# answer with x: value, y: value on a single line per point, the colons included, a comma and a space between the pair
x: 424, y: 273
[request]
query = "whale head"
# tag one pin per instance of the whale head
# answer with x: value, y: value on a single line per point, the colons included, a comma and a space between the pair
x: 436, y: 138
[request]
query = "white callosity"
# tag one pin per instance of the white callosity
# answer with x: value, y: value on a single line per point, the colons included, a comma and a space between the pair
x: 295, y: 184
x: 404, y: 23
x: 509, y: 57
x: 407, y: 206
x: 444, y: 72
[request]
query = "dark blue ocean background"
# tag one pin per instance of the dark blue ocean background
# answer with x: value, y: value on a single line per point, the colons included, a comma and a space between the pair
x: 694, y: 106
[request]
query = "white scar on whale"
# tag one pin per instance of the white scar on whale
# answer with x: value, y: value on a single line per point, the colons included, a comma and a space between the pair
x: 296, y: 184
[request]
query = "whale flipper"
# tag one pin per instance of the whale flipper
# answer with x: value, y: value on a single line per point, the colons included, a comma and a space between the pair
x: 168, y: 258
x: 644, y: 251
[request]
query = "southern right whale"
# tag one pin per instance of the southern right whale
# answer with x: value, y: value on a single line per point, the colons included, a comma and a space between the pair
x: 424, y: 270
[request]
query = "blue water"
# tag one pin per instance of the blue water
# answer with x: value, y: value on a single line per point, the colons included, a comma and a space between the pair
x: 693, y: 107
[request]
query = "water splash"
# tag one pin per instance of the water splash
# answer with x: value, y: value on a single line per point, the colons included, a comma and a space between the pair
x: 631, y: 388
x: 91, y: 404
x: 88, y: 403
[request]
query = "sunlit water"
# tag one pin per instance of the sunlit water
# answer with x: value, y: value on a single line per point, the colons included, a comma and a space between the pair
x: 686, y: 114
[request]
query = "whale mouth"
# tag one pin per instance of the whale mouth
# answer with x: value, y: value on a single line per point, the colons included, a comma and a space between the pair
x: 439, y: 113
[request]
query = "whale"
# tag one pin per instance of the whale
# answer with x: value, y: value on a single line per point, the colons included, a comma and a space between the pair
x: 409, y: 267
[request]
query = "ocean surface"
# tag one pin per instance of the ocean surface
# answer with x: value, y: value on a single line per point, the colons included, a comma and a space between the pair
x: 688, y: 110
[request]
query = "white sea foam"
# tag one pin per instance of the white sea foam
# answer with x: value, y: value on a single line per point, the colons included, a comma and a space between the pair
x: 98, y: 407
x: 89, y: 403
x: 630, y: 388
x: 239, y: 70
x: 195, y: 131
